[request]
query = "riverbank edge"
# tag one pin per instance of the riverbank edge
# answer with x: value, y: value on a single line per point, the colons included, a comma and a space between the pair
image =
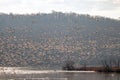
x: 97, y: 69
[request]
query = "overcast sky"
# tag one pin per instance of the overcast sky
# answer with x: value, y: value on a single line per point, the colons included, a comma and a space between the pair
x: 108, y: 8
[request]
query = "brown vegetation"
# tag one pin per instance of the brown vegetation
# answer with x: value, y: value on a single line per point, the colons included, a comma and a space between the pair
x: 107, y: 66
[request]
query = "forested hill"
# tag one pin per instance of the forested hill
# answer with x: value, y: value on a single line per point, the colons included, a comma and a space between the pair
x: 47, y: 40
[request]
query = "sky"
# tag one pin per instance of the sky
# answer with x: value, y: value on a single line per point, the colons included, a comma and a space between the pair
x: 105, y: 8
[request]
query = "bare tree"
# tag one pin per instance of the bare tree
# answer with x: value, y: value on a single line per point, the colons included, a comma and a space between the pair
x: 107, y: 65
x: 68, y: 65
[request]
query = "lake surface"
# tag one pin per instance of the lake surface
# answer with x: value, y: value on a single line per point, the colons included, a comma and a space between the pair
x: 34, y: 74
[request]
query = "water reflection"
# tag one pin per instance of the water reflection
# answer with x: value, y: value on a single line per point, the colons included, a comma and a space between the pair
x: 92, y: 76
x: 69, y: 76
x: 59, y: 75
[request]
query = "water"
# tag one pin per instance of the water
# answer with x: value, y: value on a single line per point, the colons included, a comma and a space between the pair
x: 28, y: 74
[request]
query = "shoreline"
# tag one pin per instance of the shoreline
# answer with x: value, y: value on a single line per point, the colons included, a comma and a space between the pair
x: 20, y: 70
x: 98, y: 69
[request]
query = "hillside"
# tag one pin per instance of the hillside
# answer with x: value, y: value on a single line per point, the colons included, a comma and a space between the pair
x: 48, y: 40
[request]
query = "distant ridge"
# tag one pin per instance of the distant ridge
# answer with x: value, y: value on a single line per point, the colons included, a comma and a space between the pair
x: 48, y: 40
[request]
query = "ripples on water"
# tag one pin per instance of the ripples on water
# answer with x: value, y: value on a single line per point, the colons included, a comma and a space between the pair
x: 13, y: 73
